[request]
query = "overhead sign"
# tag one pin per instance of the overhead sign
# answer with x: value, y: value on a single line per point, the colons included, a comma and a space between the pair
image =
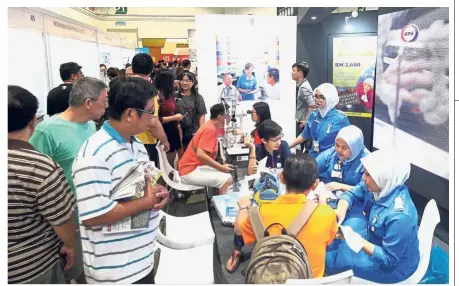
x: 22, y: 18
x: 57, y: 27
x: 121, y: 10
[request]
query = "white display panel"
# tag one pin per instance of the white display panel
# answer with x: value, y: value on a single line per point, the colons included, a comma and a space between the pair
x: 63, y: 50
x: 30, y: 74
x: 111, y: 56
x: 127, y: 56
x: 207, y: 29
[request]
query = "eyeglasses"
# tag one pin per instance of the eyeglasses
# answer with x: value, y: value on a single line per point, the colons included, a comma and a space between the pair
x: 186, y: 81
x: 277, y: 139
x: 150, y: 113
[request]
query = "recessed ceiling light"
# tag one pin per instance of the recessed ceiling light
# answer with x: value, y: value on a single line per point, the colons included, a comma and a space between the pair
x: 313, y: 17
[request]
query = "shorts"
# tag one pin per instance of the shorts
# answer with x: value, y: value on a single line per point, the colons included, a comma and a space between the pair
x: 77, y: 268
x: 207, y: 177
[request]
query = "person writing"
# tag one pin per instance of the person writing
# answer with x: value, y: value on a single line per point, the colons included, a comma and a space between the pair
x: 387, y: 250
x: 340, y: 167
x: 198, y: 166
x: 324, y: 123
x: 272, y: 146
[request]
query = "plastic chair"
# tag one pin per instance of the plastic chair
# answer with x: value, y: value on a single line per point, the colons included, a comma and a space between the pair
x: 190, y: 266
x: 430, y: 219
x: 166, y: 168
x: 185, y: 232
x: 340, y: 279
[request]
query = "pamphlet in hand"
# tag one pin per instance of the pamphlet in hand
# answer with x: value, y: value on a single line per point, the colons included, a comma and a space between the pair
x: 131, y: 187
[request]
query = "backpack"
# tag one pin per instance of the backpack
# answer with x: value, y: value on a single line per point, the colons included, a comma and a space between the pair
x: 278, y: 258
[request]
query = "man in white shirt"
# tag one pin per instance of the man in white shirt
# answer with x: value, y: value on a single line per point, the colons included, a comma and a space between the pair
x: 227, y: 90
x: 123, y: 257
x: 272, y: 89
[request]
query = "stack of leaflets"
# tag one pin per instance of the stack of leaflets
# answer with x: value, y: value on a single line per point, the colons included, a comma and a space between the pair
x: 131, y: 187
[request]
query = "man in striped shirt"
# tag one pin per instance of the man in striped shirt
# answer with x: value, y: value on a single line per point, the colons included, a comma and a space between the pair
x: 103, y: 160
x: 40, y: 203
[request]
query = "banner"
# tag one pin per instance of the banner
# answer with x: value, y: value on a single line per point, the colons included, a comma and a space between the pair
x: 57, y: 27
x: 354, y: 60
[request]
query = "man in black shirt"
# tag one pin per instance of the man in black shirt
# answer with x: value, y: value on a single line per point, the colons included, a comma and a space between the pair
x: 58, y: 97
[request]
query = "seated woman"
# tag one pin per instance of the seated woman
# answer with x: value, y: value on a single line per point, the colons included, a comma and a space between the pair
x: 340, y: 167
x: 324, y: 123
x: 272, y: 147
x: 259, y: 113
x: 388, y: 251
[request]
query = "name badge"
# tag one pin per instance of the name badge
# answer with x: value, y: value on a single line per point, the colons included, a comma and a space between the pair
x: 336, y: 174
x: 315, y: 146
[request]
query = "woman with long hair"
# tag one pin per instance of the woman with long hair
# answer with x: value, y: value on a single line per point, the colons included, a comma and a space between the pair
x: 191, y: 104
x: 260, y: 112
x: 168, y: 115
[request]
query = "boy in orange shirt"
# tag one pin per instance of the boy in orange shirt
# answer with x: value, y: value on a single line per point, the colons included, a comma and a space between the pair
x: 198, y: 165
x: 300, y: 177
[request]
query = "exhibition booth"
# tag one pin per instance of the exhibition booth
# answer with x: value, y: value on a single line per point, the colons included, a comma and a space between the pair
x: 48, y: 41
x: 361, y: 55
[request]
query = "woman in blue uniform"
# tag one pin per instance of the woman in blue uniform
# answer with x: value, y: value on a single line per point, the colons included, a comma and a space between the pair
x: 339, y: 167
x: 324, y: 123
x: 389, y: 250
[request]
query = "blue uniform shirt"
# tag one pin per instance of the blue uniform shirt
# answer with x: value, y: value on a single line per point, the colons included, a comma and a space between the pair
x: 331, y: 169
x: 324, y: 130
x: 392, y: 228
x: 249, y: 84
x: 278, y: 156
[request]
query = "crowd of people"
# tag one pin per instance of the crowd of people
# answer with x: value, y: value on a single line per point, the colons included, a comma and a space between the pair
x: 61, y: 173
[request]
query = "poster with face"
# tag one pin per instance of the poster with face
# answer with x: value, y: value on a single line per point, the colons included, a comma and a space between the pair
x: 412, y: 86
x: 248, y: 66
x: 354, y: 60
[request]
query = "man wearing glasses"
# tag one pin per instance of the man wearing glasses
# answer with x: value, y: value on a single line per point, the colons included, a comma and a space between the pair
x: 62, y: 135
x: 273, y: 147
x: 102, y: 161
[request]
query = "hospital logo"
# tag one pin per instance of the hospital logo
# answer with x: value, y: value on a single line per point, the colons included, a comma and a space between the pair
x: 410, y: 33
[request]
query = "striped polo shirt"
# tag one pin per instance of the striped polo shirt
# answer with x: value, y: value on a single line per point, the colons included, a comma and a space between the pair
x: 39, y: 197
x: 110, y: 258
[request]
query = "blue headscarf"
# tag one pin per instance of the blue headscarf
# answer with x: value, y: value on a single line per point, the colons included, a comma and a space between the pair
x: 353, y: 136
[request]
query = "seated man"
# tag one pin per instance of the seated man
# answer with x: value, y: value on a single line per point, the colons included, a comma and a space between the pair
x: 198, y: 166
x: 272, y: 146
x: 300, y: 177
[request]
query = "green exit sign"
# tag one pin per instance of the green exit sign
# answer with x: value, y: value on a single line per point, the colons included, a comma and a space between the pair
x: 121, y: 11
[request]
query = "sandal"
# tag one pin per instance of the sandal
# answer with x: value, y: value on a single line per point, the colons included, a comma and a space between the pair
x: 233, y: 261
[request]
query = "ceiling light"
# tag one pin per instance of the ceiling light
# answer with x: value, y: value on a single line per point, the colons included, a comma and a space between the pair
x: 313, y: 17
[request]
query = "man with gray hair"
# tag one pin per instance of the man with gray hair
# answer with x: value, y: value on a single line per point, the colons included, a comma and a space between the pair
x: 62, y: 135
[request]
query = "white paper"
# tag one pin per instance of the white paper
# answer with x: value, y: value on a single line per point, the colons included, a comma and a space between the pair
x: 353, y: 239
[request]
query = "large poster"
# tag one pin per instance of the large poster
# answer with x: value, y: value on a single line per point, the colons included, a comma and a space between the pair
x: 254, y: 71
x: 354, y: 73
x: 412, y: 88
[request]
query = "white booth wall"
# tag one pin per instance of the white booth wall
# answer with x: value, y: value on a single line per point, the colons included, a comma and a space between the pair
x: 116, y: 56
x: 127, y: 55
x: 26, y: 65
x: 62, y: 50
x: 207, y: 29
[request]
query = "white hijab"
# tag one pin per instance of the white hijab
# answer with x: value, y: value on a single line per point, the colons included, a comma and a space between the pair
x: 389, y: 169
x: 331, y: 97
x: 353, y: 136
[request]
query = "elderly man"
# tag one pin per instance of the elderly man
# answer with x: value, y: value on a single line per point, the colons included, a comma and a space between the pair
x: 62, y: 135
x: 227, y: 90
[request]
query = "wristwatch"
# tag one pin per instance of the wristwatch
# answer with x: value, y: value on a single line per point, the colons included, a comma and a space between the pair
x: 243, y: 207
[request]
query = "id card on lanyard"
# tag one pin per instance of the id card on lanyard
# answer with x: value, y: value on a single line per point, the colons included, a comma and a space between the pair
x: 337, y: 171
x: 315, y: 130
